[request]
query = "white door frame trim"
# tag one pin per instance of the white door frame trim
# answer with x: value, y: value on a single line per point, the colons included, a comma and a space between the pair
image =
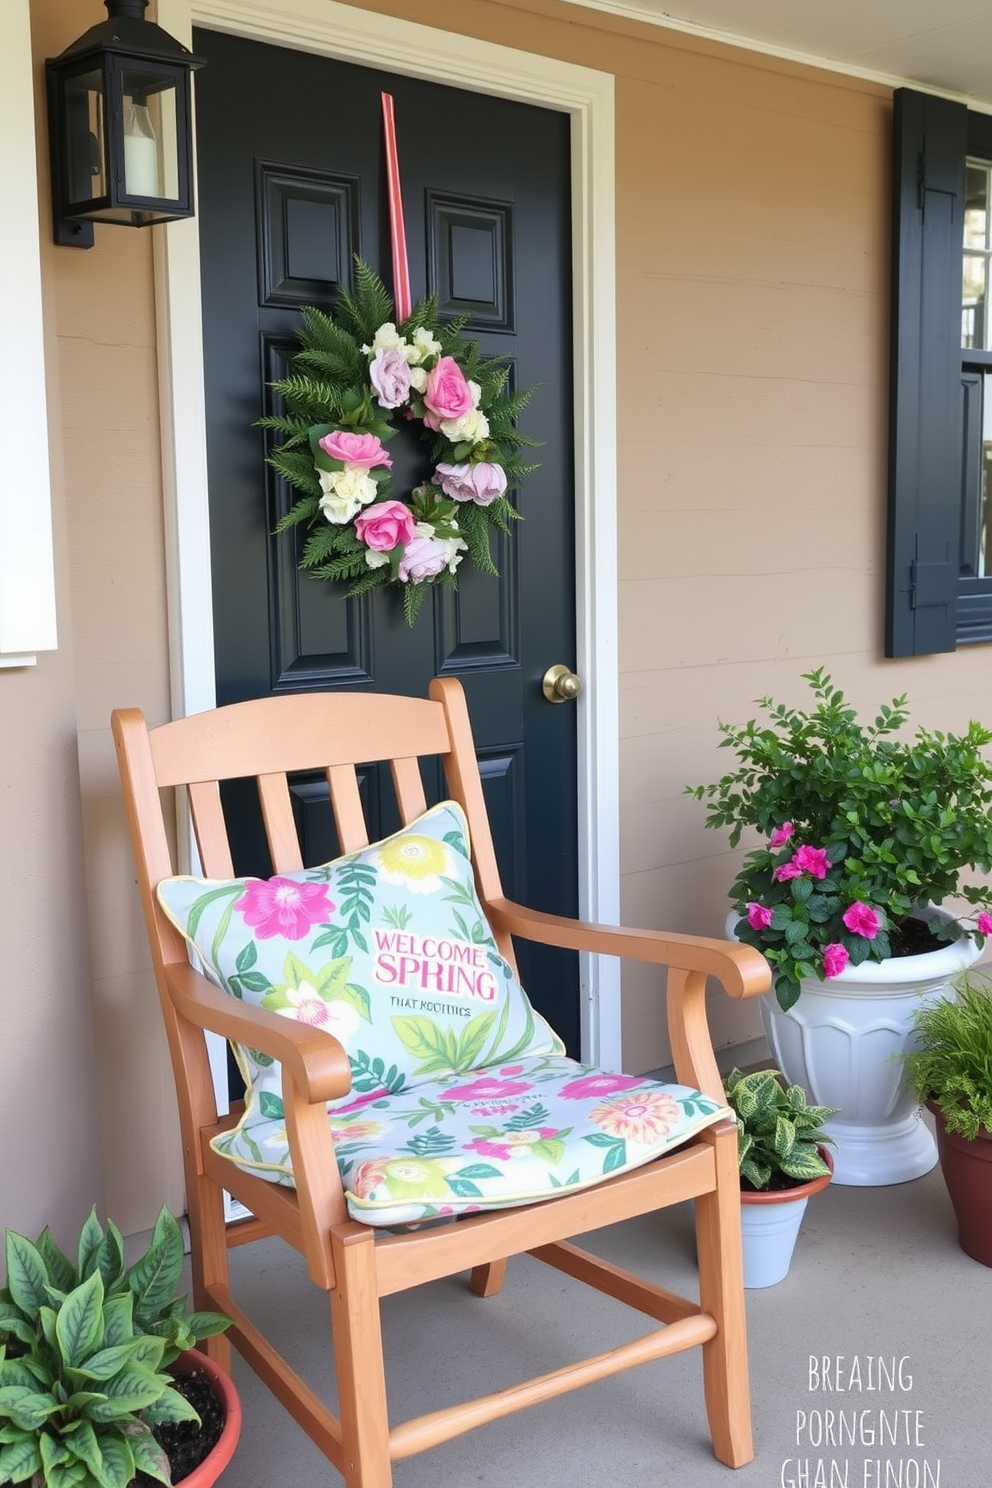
x: 353, y: 35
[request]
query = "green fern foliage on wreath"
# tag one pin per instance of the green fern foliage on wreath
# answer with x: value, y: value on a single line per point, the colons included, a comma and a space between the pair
x: 356, y: 373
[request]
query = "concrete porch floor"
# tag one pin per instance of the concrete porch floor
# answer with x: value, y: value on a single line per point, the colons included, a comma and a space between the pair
x: 877, y: 1276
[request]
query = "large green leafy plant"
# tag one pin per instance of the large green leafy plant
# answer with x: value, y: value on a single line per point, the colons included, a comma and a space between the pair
x: 778, y: 1133
x: 84, y: 1349
x: 952, y: 1064
x: 864, y: 830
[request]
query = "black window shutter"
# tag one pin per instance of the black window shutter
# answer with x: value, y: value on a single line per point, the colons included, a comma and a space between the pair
x: 925, y: 405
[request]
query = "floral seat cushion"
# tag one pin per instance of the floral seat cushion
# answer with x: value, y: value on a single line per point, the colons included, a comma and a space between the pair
x: 489, y: 1139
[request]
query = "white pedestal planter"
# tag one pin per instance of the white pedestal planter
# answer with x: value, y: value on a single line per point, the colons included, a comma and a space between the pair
x: 844, y: 1041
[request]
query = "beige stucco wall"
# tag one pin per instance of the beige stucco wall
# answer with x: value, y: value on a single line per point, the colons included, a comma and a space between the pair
x: 752, y: 321
x: 100, y: 306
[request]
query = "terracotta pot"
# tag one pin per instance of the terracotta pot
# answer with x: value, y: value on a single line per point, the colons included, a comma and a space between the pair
x: 770, y: 1224
x: 967, y: 1170
x: 218, y: 1458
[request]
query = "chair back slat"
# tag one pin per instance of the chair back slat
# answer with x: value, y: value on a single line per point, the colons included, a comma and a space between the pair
x: 349, y: 818
x: 210, y: 829
x: 409, y: 786
x: 296, y: 733
x: 280, y: 823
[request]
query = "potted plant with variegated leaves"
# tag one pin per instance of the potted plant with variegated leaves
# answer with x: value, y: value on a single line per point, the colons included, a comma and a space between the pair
x: 98, y: 1370
x: 783, y: 1159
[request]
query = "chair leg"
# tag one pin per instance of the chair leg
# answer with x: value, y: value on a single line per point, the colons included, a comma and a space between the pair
x: 721, y: 1293
x: 486, y: 1280
x: 358, y: 1358
x: 209, y: 1256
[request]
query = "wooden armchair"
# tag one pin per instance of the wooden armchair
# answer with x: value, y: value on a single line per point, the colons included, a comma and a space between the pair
x: 299, y: 1160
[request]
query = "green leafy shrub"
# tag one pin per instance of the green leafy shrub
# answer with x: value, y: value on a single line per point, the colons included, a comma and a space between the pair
x: 84, y: 1350
x: 952, y: 1065
x: 863, y: 828
x: 778, y: 1134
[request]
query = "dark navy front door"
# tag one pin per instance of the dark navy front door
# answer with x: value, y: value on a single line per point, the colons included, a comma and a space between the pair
x: 291, y: 186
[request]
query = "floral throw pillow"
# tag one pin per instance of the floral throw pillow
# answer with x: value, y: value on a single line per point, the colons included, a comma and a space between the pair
x: 387, y: 948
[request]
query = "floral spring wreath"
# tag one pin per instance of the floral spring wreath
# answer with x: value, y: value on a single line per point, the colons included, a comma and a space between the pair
x: 354, y: 374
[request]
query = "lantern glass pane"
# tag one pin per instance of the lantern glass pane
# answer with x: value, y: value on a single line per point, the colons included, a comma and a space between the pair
x: 86, y: 149
x: 150, y: 135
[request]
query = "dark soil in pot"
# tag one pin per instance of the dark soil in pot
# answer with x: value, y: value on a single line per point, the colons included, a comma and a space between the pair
x: 185, y: 1443
x: 912, y: 937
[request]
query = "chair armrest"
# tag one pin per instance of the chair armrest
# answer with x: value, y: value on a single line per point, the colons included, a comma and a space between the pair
x: 741, y: 970
x: 315, y: 1059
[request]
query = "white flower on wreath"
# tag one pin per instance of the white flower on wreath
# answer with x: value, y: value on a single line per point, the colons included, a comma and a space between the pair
x: 386, y: 338
x: 454, y: 547
x: 418, y: 378
x: 345, y: 493
x: 471, y: 428
x: 423, y: 348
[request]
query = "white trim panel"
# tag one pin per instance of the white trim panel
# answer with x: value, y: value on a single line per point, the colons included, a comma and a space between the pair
x: 27, y: 564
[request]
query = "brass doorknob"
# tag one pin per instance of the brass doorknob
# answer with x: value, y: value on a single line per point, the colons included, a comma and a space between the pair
x: 560, y: 685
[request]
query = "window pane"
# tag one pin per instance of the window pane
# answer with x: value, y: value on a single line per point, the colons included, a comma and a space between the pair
x: 983, y: 564
x: 976, y: 213
x: 975, y: 329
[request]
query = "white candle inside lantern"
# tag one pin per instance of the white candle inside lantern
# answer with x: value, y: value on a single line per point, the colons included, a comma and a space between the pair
x: 140, y: 153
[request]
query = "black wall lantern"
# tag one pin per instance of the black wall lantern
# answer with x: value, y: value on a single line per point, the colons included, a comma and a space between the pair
x: 120, y: 126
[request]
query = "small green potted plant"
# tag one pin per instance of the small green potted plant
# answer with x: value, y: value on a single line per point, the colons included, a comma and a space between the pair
x: 783, y: 1160
x: 98, y: 1366
x: 950, y: 1070
x: 868, y: 829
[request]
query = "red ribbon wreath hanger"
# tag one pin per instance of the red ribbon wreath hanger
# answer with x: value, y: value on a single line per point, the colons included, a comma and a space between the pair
x: 397, y: 232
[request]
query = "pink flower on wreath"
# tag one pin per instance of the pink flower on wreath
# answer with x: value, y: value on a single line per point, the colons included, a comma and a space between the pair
x: 835, y: 958
x: 598, y: 1082
x: 385, y: 524
x: 455, y: 481
x: 423, y: 559
x: 447, y: 395
x: 638, y: 1118
x: 984, y: 923
x: 389, y: 374
x: 759, y: 916
x: 812, y: 860
x: 282, y: 906
x: 781, y: 835
x: 481, y: 482
x: 486, y: 1087
x: 787, y: 870
x: 488, y: 481
x: 362, y: 450
x: 861, y: 919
